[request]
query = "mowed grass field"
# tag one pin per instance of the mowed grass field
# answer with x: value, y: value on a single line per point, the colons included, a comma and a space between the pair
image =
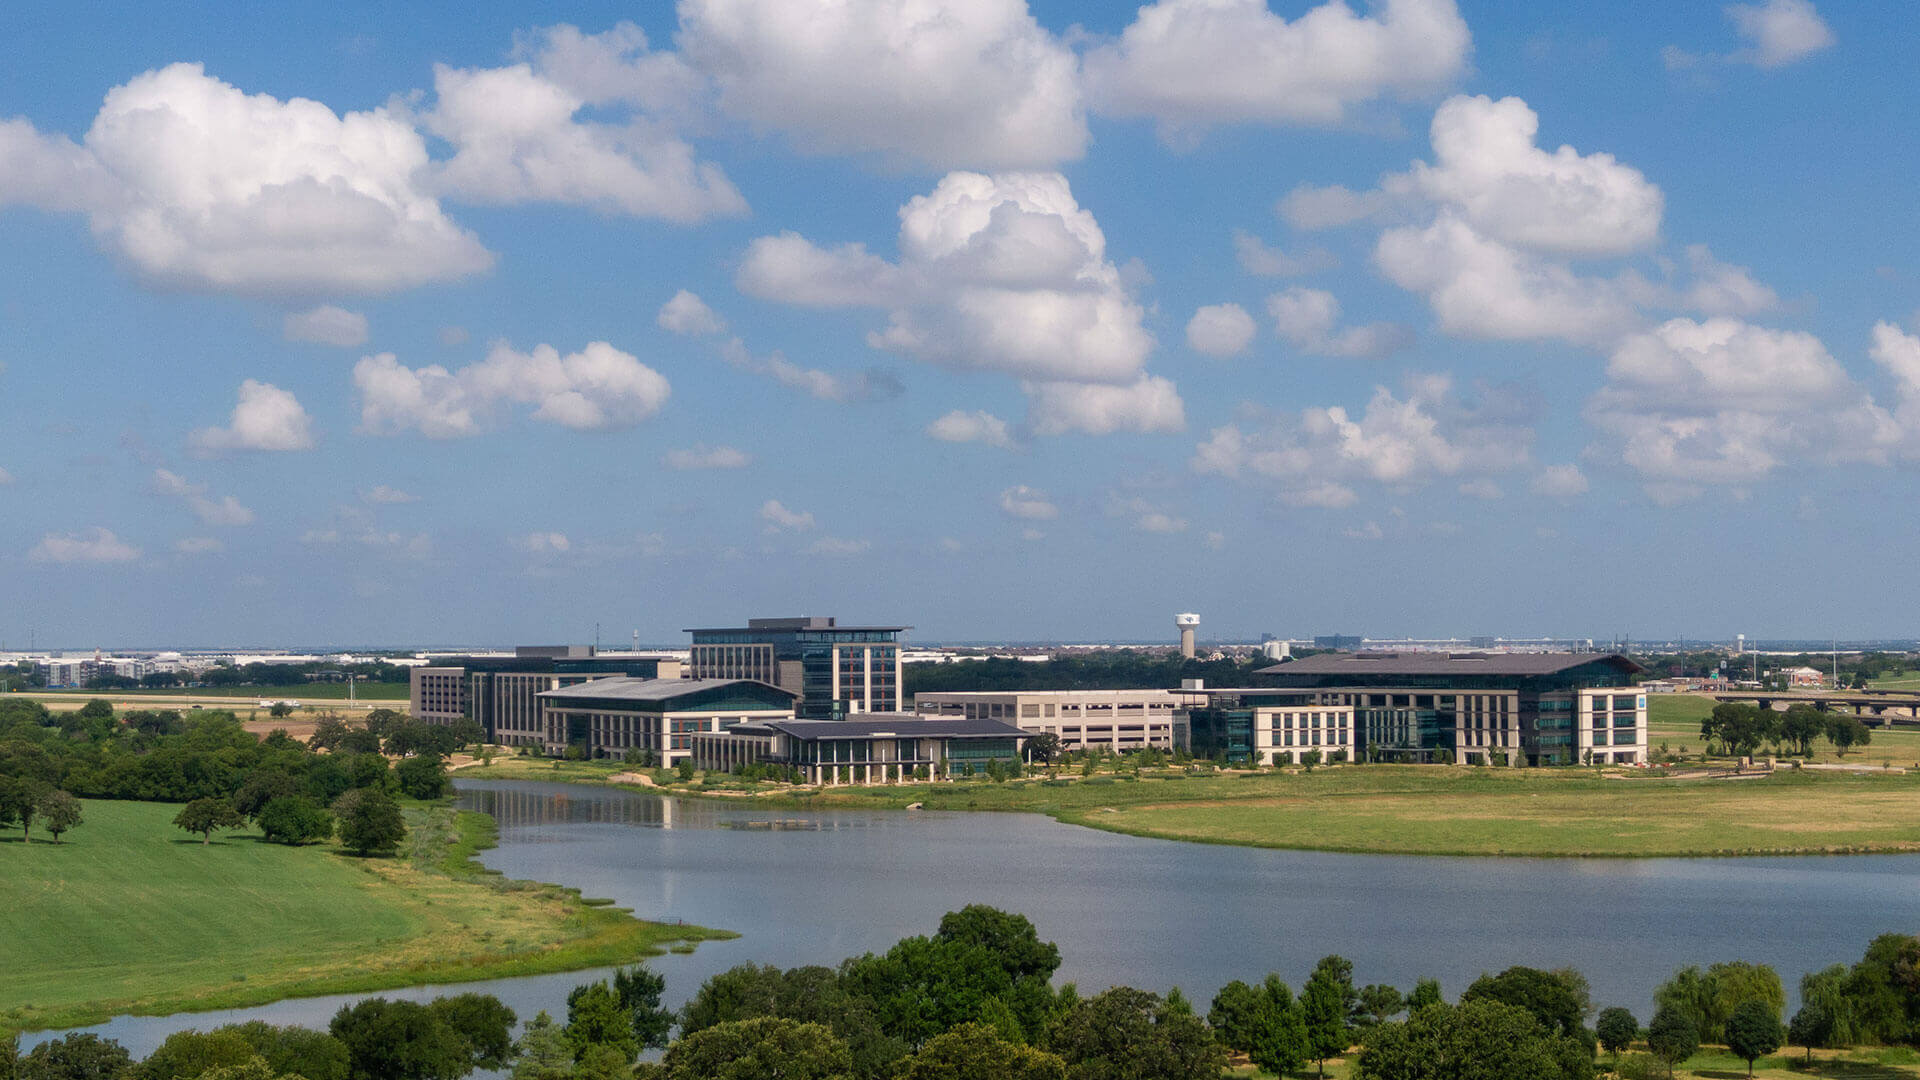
x: 1675, y: 720
x: 1415, y: 809
x: 129, y: 914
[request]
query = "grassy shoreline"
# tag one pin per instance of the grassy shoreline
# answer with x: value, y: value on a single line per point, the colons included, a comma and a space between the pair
x: 1403, y: 810
x: 432, y: 915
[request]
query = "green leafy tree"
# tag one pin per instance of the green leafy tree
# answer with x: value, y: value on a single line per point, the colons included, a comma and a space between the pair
x: 185, y: 1055
x: 759, y: 1049
x: 1883, y: 991
x: 370, y: 822
x: 1739, y: 727
x: 1616, y: 1030
x: 298, y: 1051
x: 1326, y: 1001
x: 1233, y: 1015
x: 1691, y: 993
x: 1280, y: 1041
x: 1672, y: 1036
x: 1549, y: 996
x: 1128, y: 1034
x: 1847, y: 732
x: 58, y: 812
x: 978, y: 1052
x: 205, y: 816
x: 1479, y: 1039
x: 639, y: 991
x: 20, y: 802
x: 1425, y: 992
x: 294, y: 819
x: 80, y: 1056
x: 1826, y: 993
x: 261, y: 787
x: 1800, y: 725
x: 280, y: 709
x: 328, y: 732
x: 543, y: 1052
x: 1044, y: 747
x: 1753, y: 1031
x: 422, y: 777
x: 443, y: 1040
x: 1379, y: 1003
x: 595, y: 1017
x: 1810, y: 1027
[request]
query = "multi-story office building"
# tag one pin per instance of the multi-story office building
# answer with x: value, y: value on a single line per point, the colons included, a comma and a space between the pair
x: 881, y: 748
x: 608, y: 717
x: 1116, y: 720
x: 1269, y: 727
x: 838, y: 671
x: 501, y: 693
x: 1525, y: 708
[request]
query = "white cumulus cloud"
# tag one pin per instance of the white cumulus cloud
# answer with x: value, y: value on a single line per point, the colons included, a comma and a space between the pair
x: 327, y: 325
x: 778, y: 517
x: 1220, y: 330
x: 1560, y: 481
x: 599, y: 388
x: 1030, y: 504
x: 1776, y: 33
x: 687, y: 314
x: 267, y: 418
x: 1191, y: 65
x: 1256, y: 258
x: 976, y: 426
x: 91, y: 545
x: 708, y: 457
x: 1309, y: 320
x: 225, y: 510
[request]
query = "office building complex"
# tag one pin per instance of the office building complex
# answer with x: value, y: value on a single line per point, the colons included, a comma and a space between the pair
x: 608, y: 717
x: 501, y: 693
x: 1523, y: 708
x: 879, y: 749
x: 1269, y: 727
x: 838, y: 671
x: 1115, y: 720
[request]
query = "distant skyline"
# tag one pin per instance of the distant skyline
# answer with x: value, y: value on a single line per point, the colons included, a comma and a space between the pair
x: 1030, y: 321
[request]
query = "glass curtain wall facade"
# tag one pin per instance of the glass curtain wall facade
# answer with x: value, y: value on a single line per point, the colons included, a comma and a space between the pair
x: 839, y: 671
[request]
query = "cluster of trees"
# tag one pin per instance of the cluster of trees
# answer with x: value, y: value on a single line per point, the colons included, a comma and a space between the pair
x: 1741, y: 729
x: 240, y: 675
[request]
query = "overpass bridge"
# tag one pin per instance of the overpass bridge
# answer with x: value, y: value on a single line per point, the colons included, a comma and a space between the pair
x: 1876, y: 707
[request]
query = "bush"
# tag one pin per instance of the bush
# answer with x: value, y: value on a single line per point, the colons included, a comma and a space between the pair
x: 423, y: 777
x: 294, y: 819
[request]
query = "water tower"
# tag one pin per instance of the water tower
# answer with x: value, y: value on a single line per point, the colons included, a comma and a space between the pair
x: 1185, y: 623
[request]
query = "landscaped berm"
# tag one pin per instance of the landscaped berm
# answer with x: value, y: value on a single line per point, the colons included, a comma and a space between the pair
x: 131, y: 915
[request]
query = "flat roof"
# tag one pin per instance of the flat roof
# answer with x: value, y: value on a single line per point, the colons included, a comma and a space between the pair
x: 624, y: 688
x: 1438, y: 663
x: 904, y: 725
x: 784, y: 629
x: 1046, y: 693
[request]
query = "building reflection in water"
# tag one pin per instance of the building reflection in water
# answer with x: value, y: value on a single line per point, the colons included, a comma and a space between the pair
x: 525, y: 811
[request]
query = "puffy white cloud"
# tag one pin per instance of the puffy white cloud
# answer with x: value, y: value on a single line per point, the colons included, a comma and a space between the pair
x: 868, y: 385
x: 1030, y: 504
x: 778, y: 517
x: 1560, y: 481
x: 266, y: 418
x: 687, y: 314
x: 976, y: 426
x: 1779, y: 32
x: 1195, y: 64
x: 225, y: 510
x: 708, y: 457
x: 616, y: 65
x: 1003, y: 273
x: 543, y: 543
x: 1718, y: 288
x: 1726, y: 402
x: 516, y: 140
x: 598, y: 388
x: 327, y: 325
x: 1488, y: 169
x: 1258, y: 259
x: 1396, y: 441
x: 946, y: 83
x: 1220, y: 330
x: 1150, y: 404
x: 1309, y: 208
x: 90, y: 545
x: 1309, y: 320
x: 382, y: 495
x: 198, y: 545
x: 1478, y: 287
x: 835, y: 547
x: 195, y: 184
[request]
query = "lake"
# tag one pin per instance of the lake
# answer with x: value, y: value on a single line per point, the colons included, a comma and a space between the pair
x: 813, y: 887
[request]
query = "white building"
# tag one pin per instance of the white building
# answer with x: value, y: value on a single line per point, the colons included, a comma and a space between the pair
x: 1115, y: 720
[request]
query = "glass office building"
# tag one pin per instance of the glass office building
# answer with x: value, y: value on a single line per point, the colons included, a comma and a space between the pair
x: 838, y: 671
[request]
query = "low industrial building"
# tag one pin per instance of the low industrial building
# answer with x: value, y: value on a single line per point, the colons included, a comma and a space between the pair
x: 501, y: 692
x: 608, y: 717
x: 1270, y: 727
x: 882, y: 748
x: 1520, y: 708
x: 1114, y: 720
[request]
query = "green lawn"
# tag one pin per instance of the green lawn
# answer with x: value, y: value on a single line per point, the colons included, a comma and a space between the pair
x: 1675, y: 720
x: 129, y: 914
x: 1415, y: 809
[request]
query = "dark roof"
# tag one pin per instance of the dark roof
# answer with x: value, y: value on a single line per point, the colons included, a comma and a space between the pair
x: 787, y: 629
x: 628, y: 689
x: 904, y: 725
x: 1439, y: 663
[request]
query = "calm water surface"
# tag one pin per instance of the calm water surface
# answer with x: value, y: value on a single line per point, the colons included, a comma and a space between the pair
x: 815, y: 887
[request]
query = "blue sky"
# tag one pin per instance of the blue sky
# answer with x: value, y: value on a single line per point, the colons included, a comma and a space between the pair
x: 356, y: 324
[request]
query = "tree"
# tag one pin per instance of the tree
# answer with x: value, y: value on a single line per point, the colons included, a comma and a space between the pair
x: 261, y: 787
x: 1233, y: 1015
x: 639, y: 991
x: 1379, y: 1003
x: 543, y: 1052
x: 280, y: 709
x: 484, y: 1022
x: 58, y: 812
x: 1475, y: 1040
x: 764, y: 1047
x: 20, y: 802
x: 1616, y: 1030
x: 978, y: 1052
x: 1741, y: 728
x: 76, y: 1057
x: 370, y: 822
x: 443, y: 1040
x: 1425, y: 992
x: 1672, y: 1036
x: 1708, y: 998
x: 1128, y: 1034
x: 1800, y: 725
x: 1325, y: 1003
x: 1847, y: 732
x: 1550, y: 997
x: 294, y: 819
x: 303, y: 1052
x: 1280, y: 1040
x: 328, y: 732
x: 203, y: 816
x: 185, y: 1055
x: 1810, y: 1027
x: 1753, y: 1031
x: 423, y: 777
x: 1044, y: 747
x: 596, y: 1018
